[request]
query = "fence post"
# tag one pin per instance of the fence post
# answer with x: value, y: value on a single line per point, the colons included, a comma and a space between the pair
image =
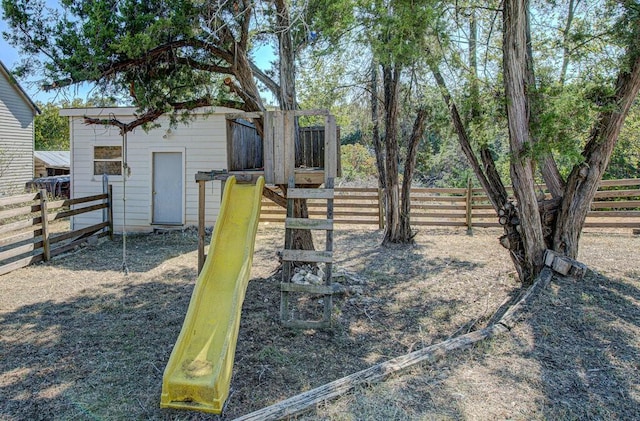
x: 380, y: 208
x: 46, y: 251
x: 469, y: 206
x: 110, y: 210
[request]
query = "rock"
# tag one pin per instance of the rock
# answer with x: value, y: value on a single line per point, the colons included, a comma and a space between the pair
x: 313, y: 279
x: 356, y: 290
x: 298, y: 279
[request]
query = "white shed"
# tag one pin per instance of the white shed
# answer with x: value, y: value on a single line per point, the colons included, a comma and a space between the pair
x: 161, y: 190
x: 17, y: 113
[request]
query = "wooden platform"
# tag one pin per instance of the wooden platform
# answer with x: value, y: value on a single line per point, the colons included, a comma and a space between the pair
x: 310, y: 176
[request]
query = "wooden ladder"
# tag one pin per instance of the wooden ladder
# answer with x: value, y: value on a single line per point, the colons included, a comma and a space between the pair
x: 289, y: 256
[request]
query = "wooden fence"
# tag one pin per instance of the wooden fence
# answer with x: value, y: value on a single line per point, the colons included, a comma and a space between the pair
x: 616, y: 205
x: 246, y: 148
x: 26, y: 236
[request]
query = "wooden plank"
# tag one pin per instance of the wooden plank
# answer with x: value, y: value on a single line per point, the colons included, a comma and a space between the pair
x: 65, y: 214
x: 12, y: 200
x: 22, y: 211
x: 77, y: 233
x: 268, y: 148
x: 17, y: 251
x: 307, y: 256
x: 330, y: 148
x: 617, y: 193
x: 77, y: 201
x: 438, y: 215
x: 613, y: 214
x: 309, y: 224
x: 243, y: 116
x: 310, y: 193
x: 445, y: 199
x: 618, y: 204
x: 443, y: 207
x: 441, y: 223
x: 306, y: 324
x: 20, y: 264
x: 279, y: 166
x: 312, y: 289
x: 328, y: 300
x: 437, y: 190
x: 289, y: 132
x: 372, y: 190
x: 612, y: 224
x: 19, y: 225
x: 345, y: 198
x: 621, y: 182
x: 20, y: 237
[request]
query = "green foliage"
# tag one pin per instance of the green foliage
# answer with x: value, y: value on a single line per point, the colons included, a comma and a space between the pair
x: 358, y: 162
x: 625, y: 160
x: 396, y: 29
x: 152, y: 53
x: 51, y: 129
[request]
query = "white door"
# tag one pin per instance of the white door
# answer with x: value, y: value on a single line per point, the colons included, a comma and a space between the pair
x: 167, y: 188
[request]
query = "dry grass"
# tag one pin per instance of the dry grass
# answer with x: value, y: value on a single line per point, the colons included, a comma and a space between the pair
x: 79, y: 340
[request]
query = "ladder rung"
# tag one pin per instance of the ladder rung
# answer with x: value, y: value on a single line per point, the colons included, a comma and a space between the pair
x: 313, y: 289
x: 310, y: 194
x: 309, y: 224
x: 307, y: 324
x: 307, y: 256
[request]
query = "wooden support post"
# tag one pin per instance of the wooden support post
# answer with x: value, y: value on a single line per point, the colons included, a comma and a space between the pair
x: 46, y: 249
x: 268, y: 148
x: 201, y: 219
x: 469, y: 205
x: 110, y: 211
x: 330, y: 147
x: 328, y: 298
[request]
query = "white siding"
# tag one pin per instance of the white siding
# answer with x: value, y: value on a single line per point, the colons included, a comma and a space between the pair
x: 16, y: 139
x: 203, y: 141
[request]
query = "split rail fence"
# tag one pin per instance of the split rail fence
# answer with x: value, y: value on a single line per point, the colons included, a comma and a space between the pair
x: 616, y: 205
x: 26, y: 236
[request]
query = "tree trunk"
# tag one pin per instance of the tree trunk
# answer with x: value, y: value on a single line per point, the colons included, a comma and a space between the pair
x: 392, y: 233
x: 490, y: 180
x: 583, y: 181
x: 378, y: 147
x: 515, y: 82
x: 302, y: 239
x: 409, y: 167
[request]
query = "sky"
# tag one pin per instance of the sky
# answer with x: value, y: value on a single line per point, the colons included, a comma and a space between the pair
x: 11, y: 58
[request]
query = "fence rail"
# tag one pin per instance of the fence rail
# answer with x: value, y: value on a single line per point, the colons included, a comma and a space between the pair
x: 25, y: 234
x: 616, y: 205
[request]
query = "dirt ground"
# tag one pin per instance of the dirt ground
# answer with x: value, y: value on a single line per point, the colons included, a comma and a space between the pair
x: 80, y: 340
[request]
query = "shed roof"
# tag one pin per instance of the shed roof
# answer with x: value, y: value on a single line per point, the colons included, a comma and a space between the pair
x: 54, y: 159
x: 21, y: 92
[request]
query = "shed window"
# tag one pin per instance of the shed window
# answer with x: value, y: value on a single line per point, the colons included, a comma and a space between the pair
x: 107, y: 160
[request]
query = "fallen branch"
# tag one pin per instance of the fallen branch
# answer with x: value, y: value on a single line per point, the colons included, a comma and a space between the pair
x: 379, y: 372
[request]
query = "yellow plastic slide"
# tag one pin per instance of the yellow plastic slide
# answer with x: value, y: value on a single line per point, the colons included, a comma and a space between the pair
x: 198, y: 373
